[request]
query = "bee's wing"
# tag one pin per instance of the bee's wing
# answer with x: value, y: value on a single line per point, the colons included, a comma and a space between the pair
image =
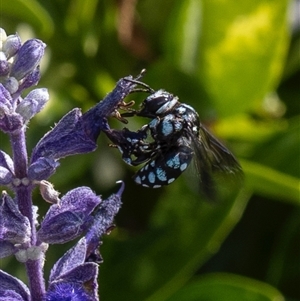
x: 219, y: 156
x: 213, y: 159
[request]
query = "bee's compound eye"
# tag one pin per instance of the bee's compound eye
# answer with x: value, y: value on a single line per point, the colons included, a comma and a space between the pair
x: 159, y: 103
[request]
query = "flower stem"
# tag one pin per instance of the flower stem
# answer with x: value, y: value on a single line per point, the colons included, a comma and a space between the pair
x: 24, y: 196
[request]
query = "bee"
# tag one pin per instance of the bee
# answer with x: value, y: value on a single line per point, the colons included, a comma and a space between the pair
x: 177, y: 137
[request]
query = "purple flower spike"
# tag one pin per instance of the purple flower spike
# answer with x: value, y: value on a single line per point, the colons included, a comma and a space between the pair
x: 27, y: 58
x: 80, y: 212
x: 67, y: 220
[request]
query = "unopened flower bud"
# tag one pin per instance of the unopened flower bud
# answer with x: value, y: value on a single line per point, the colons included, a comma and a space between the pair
x: 32, y: 103
x: 3, y: 37
x: 15, y: 228
x: 11, y: 45
x: 4, y: 68
x: 68, y: 219
x: 11, y: 85
x: 42, y: 168
x: 27, y: 58
x: 31, y: 79
x: 6, y: 161
x: 5, y: 176
x: 2, y: 56
x: 48, y: 192
x: 5, y: 98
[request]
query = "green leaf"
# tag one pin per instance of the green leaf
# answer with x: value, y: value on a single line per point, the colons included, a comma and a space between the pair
x: 234, y: 49
x: 272, y: 183
x: 29, y: 11
x: 227, y: 287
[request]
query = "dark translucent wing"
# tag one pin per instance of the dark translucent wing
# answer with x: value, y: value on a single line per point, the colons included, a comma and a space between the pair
x: 221, y: 159
x: 165, y: 168
x: 214, y: 162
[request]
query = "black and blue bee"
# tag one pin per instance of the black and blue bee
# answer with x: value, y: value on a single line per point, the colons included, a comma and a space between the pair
x: 169, y: 142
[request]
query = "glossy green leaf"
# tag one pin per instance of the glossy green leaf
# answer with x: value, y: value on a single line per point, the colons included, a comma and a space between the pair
x: 29, y: 11
x: 227, y: 287
x: 233, y: 48
x: 270, y: 182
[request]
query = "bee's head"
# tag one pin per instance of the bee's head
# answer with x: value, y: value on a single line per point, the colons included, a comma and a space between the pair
x: 157, y: 104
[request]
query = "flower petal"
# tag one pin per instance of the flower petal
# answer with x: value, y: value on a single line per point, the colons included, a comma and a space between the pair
x: 10, y: 283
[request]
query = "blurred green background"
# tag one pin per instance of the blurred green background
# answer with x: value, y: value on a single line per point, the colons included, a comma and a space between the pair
x: 238, y: 64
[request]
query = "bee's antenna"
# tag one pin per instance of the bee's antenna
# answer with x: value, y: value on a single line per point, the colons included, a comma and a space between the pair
x: 136, y: 81
x: 142, y: 73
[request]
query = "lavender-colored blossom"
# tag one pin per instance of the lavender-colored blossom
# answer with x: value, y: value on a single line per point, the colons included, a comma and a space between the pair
x: 5, y: 176
x: 70, y: 291
x: 30, y: 80
x: 32, y: 103
x: 68, y: 219
x: 68, y: 137
x: 72, y: 269
x: 14, y: 227
x: 10, y: 284
x: 5, y: 100
x: 27, y: 58
x: 70, y: 260
x: 4, y: 66
x: 11, y: 84
x: 11, y: 45
x: 42, y: 168
x: 9, y: 295
x: 2, y: 56
x: 77, y: 133
x: 11, y: 123
x: 6, y: 161
x: 103, y: 221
